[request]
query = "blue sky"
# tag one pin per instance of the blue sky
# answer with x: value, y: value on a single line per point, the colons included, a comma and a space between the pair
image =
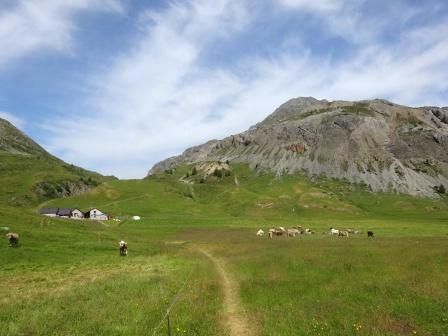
x: 115, y: 86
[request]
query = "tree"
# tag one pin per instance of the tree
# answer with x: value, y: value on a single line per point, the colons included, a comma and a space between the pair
x: 194, y: 171
x: 440, y: 189
x: 217, y: 172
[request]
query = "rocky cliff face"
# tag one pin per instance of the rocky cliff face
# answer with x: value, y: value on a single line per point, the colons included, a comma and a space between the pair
x: 386, y: 146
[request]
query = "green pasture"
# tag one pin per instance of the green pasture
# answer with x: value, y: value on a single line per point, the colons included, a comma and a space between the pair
x: 66, y: 278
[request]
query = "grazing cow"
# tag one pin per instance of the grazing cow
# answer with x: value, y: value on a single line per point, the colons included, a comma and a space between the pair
x: 299, y: 229
x: 13, y: 239
x: 293, y: 232
x: 370, y: 234
x: 308, y: 231
x: 123, y: 248
x: 334, y: 232
x: 260, y: 233
x: 280, y: 231
x: 271, y: 233
x: 343, y: 233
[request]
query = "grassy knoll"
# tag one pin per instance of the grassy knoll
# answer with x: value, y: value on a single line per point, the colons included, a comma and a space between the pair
x: 67, y: 278
x: 28, y: 180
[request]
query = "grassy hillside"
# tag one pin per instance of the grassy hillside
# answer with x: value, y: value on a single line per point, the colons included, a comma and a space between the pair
x: 67, y: 277
x: 28, y: 180
x: 247, y: 199
x: 29, y: 174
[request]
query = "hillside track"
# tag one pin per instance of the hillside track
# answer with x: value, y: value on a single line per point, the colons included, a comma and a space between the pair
x: 234, y: 317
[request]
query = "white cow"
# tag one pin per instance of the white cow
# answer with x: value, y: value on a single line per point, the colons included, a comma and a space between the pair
x: 334, y: 232
x: 293, y: 232
x: 260, y: 233
x: 123, y: 248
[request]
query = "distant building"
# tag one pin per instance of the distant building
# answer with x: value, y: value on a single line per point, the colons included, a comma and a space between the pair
x: 70, y: 213
x: 95, y: 214
x: 77, y: 214
x: 65, y: 212
x: 50, y: 212
x: 74, y: 213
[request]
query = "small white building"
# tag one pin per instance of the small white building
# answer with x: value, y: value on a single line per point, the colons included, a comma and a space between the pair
x: 96, y: 214
x: 77, y: 214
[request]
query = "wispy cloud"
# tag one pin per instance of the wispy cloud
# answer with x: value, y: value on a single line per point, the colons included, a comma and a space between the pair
x: 30, y: 25
x: 163, y: 94
x: 317, y: 5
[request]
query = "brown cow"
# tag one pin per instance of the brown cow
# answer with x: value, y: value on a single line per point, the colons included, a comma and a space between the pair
x: 13, y: 239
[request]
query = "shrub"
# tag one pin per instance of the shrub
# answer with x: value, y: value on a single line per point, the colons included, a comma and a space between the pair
x: 440, y: 189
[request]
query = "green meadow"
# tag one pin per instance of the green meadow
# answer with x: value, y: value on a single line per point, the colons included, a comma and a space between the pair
x: 67, y: 278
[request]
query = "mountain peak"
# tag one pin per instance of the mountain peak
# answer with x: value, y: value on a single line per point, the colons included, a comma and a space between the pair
x: 292, y: 109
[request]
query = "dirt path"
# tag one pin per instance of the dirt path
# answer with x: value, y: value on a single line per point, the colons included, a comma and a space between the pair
x: 234, y: 318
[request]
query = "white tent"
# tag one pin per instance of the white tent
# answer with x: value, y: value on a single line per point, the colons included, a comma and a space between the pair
x: 136, y: 217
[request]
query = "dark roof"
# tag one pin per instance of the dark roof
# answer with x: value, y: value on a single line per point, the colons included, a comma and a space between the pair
x: 65, y: 212
x: 49, y: 211
x: 93, y: 209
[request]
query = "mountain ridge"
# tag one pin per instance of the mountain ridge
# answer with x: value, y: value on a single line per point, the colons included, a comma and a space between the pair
x: 387, y: 146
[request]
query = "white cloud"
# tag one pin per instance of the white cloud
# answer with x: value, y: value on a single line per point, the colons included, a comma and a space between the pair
x: 44, y: 24
x: 315, y: 5
x: 15, y: 120
x: 158, y: 98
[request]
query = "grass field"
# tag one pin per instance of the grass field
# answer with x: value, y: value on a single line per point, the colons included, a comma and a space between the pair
x: 66, y: 278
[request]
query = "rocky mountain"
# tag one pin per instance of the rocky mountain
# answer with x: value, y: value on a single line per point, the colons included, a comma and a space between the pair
x: 386, y: 146
x: 29, y: 174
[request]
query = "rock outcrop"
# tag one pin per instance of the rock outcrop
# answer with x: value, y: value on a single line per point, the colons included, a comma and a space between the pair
x: 386, y: 146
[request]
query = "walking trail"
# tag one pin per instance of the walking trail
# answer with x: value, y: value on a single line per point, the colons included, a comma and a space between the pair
x: 234, y: 318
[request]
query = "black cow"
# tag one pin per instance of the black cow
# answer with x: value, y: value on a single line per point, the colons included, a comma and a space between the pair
x: 370, y: 234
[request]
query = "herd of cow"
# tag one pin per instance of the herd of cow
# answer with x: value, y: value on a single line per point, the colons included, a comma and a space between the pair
x: 278, y: 231
x: 298, y: 230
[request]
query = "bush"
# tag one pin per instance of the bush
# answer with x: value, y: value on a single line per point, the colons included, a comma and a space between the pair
x: 217, y: 172
x: 202, y: 180
x: 194, y: 171
x: 440, y: 189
